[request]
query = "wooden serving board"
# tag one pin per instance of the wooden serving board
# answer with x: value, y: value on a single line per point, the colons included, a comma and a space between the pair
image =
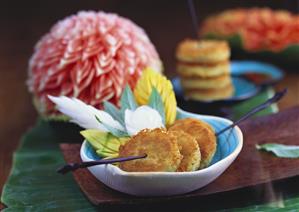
x: 251, y: 168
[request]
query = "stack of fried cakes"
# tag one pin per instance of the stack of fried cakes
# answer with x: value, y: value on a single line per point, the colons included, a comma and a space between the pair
x: 204, y: 69
x: 188, y: 145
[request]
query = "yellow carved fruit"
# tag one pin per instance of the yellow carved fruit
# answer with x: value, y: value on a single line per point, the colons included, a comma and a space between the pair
x: 143, y: 90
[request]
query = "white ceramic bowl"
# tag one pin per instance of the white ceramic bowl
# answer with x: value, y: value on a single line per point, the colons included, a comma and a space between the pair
x: 229, y: 145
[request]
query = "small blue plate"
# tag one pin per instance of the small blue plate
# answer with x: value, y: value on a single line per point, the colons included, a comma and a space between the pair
x: 244, y: 88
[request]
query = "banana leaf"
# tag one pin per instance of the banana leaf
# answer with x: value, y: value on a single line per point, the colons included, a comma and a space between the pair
x: 33, y: 184
x: 288, y: 57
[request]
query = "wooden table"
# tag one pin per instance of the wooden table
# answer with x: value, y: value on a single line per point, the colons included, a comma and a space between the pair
x: 20, y: 31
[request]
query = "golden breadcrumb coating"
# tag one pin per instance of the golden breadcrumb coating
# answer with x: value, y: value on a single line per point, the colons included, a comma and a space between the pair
x: 200, y: 70
x: 189, y: 149
x: 204, y: 135
x: 210, y: 93
x: 162, y: 151
x: 206, y: 82
x: 205, y: 51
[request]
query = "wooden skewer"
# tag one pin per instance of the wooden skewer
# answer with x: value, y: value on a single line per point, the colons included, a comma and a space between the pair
x: 194, y: 17
x: 74, y: 166
x: 256, y: 109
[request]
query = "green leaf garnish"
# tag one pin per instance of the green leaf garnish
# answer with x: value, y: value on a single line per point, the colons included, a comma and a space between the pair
x: 155, y: 102
x: 112, y: 130
x: 105, y: 144
x: 94, y: 137
x: 105, y: 155
x: 127, y: 100
x: 280, y: 150
x: 114, y: 112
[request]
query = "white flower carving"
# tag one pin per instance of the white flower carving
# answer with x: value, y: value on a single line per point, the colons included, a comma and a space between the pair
x: 143, y: 117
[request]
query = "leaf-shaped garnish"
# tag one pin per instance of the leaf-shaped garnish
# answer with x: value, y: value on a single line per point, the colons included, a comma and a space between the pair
x: 112, y: 130
x: 105, y: 144
x: 280, y: 150
x: 94, y: 137
x: 155, y: 102
x: 83, y: 114
x: 127, y: 99
x: 114, y: 112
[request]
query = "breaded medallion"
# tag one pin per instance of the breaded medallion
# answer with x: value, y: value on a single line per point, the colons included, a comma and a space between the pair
x: 206, y: 82
x: 161, y: 147
x: 205, y: 51
x: 204, y: 135
x: 210, y: 94
x: 203, y: 70
x: 189, y: 150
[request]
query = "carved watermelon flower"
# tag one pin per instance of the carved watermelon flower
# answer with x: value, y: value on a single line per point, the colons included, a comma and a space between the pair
x: 90, y: 56
x: 258, y: 28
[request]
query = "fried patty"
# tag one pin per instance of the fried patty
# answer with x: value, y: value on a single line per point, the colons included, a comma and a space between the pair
x: 206, y: 82
x: 211, y: 93
x: 189, y: 150
x: 204, y: 135
x: 161, y: 148
x: 191, y: 70
x: 202, y: 51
